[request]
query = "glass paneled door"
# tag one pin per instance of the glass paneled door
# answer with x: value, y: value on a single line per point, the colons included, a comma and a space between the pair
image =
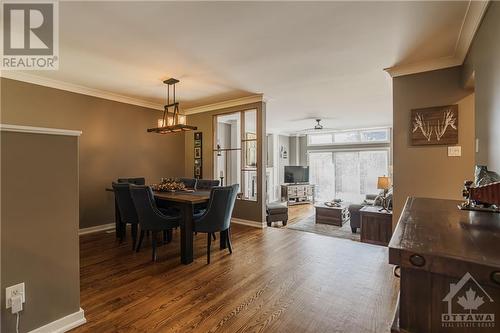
x: 347, y: 175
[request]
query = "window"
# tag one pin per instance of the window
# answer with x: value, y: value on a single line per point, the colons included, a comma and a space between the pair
x: 347, y: 175
x: 235, y: 151
x: 363, y: 136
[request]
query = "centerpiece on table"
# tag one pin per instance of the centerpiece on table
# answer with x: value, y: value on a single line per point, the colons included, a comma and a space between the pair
x: 169, y: 185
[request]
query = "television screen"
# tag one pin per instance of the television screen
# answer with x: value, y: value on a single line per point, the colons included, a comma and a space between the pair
x: 296, y: 174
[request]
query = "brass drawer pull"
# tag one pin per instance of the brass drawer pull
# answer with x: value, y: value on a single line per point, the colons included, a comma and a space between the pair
x: 495, y: 276
x: 417, y: 260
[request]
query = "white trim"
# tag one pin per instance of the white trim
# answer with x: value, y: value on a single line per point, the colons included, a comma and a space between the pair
x: 38, y: 130
x: 472, y: 18
x: 225, y: 104
x: 97, y: 228
x: 63, y: 324
x: 51, y: 83
x: 249, y: 223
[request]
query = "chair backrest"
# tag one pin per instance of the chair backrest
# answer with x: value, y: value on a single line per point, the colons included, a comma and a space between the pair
x: 206, y: 184
x: 135, y: 181
x: 220, y: 207
x: 188, y: 182
x: 150, y: 218
x: 126, y: 206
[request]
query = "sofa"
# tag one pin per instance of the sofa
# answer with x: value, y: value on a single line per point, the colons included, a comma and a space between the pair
x: 370, y: 200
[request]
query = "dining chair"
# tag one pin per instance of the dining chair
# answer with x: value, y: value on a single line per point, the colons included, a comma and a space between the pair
x: 188, y: 182
x: 150, y: 217
x: 217, y: 217
x: 135, y: 181
x: 206, y: 184
x: 126, y: 207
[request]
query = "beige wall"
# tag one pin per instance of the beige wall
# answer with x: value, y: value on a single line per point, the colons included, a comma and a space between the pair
x: 114, y: 142
x: 428, y: 171
x: 247, y: 210
x: 484, y: 61
x: 39, y: 223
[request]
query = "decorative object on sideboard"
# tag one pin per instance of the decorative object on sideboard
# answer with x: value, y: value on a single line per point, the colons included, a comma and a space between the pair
x: 171, y: 122
x: 198, y: 156
x: 434, y: 126
x: 384, y: 183
x: 169, y: 185
x: 483, y: 193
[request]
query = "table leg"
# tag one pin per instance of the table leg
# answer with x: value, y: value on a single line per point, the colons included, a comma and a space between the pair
x: 119, y: 230
x: 187, y: 234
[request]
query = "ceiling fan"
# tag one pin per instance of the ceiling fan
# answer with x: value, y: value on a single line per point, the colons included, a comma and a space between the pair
x: 318, y: 127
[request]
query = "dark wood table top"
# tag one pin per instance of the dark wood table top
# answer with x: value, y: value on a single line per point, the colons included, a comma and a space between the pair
x: 438, y: 228
x: 184, y: 197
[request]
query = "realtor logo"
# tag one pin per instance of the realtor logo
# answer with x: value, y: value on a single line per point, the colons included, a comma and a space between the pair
x: 468, y: 305
x: 30, y: 36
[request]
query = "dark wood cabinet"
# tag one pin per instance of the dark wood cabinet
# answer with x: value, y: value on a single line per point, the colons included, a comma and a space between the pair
x: 331, y: 215
x: 449, y: 263
x: 376, y: 225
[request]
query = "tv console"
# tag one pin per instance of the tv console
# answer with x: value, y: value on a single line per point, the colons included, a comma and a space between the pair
x: 297, y: 194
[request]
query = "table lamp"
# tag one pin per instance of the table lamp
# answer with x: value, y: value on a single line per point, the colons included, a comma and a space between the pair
x: 384, y: 183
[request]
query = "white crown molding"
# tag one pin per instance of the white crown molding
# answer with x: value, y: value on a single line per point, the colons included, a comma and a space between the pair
x: 470, y: 24
x: 63, y: 324
x: 38, y: 130
x: 56, y: 84
x: 225, y: 104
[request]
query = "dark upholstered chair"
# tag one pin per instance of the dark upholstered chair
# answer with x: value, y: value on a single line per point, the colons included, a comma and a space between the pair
x: 188, y: 182
x: 126, y: 208
x: 206, y: 184
x: 135, y: 181
x: 150, y: 217
x: 217, y: 218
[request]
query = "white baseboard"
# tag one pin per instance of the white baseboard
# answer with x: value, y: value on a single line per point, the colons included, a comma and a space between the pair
x: 249, y: 223
x: 97, y: 228
x: 63, y: 324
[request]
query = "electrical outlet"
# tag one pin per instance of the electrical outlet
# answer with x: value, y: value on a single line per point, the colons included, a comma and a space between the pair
x: 17, y: 290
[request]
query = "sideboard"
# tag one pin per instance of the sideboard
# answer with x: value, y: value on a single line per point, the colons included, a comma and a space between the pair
x: 449, y: 263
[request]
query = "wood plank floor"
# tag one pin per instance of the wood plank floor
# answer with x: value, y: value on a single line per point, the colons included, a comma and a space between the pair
x: 276, y: 280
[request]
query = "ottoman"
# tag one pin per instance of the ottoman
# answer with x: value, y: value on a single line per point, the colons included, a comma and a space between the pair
x: 276, y: 212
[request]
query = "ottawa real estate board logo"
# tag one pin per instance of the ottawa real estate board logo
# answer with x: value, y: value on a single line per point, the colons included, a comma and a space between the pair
x: 30, y: 35
x: 468, y: 305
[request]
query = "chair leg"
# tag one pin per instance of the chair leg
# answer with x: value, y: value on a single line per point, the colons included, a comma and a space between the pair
x: 213, y: 236
x: 141, y: 237
x: 165, y: 237
x: 153, y: 244
x: 209, y: 241
x: 134, y: 235
x: 169, y: 235
x: 228, y: 238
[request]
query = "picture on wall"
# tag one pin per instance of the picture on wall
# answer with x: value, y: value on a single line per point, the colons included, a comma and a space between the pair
x: 198, y: 155
x: 434, y: 126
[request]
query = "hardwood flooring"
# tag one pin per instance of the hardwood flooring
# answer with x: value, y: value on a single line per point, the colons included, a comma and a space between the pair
x: 276, y: 280
x: 299, y: 212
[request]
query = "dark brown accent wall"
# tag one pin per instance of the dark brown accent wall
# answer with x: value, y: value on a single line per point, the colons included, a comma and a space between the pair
x: 483, y: 64
x: 246, y: 210
x: 114, y: 142
x: 39, y: 223
x: 423, y: 171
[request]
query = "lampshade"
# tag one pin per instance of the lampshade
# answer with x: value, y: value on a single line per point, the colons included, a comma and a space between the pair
x: 383, y: 183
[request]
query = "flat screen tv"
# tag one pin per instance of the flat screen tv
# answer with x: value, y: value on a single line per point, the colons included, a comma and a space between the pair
x: 296, y: 174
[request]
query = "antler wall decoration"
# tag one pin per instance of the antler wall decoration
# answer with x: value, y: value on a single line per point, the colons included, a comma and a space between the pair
x: 435, y: 126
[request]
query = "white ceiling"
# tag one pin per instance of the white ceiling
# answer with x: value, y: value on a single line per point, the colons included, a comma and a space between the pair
x: 322, y: 59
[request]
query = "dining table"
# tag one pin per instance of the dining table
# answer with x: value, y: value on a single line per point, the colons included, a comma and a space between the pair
x: 185, y: 201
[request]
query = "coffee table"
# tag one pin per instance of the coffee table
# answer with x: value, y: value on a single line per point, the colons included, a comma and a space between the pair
x: 332, y: 215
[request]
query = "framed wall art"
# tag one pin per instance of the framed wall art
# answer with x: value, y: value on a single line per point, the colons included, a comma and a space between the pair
x: 434, y: 126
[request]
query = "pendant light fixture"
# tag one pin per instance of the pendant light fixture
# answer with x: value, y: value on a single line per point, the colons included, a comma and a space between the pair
x: 172, y: 121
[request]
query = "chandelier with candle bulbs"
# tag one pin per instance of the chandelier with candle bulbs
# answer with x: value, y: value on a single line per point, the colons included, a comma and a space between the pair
x: 172, y: 121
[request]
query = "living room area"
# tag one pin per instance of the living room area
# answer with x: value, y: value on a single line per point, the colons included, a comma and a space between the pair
x: 326, y: 177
